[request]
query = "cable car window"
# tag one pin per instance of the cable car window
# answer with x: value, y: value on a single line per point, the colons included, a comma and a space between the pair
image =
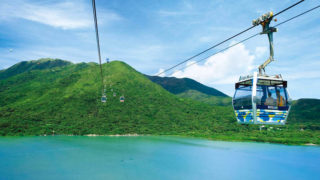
x: 242, y: 98
x: 281, y: 97
x: 271, y: 96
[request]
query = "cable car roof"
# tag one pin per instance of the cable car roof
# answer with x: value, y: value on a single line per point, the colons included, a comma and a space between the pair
x: 262, y: 80
x: 277, y: 77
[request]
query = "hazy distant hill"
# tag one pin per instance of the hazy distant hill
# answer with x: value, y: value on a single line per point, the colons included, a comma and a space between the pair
x: 208, y: 99
x: 189, y: 88
x: 180, y: 85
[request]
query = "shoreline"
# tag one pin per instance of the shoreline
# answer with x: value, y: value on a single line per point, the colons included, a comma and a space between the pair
x: 211, y: 138
x: 311, y: 144
x: 112, y: 135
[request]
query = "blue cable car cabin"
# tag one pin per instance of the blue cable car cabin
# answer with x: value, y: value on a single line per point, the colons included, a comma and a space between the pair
x: 104, y: 98
x: 261, y: 99
x: 122, y: 99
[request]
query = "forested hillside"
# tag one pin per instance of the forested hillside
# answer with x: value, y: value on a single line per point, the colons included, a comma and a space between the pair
x: 67, y: 100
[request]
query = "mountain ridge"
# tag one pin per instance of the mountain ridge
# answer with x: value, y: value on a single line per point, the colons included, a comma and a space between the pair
x: 180, y: 85
x: 23, y: 66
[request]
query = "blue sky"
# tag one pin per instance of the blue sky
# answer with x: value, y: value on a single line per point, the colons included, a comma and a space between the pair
x: 152, y: 35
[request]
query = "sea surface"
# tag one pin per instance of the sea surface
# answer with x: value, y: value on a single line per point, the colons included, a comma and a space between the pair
x: 152, y: 157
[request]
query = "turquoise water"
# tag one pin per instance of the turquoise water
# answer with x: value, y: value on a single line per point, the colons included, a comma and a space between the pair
x: 147, y: 157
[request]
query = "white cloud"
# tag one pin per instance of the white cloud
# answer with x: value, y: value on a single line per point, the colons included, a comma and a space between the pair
x: 222, y: 68
x: 160, y: 71
x: 66, y: 15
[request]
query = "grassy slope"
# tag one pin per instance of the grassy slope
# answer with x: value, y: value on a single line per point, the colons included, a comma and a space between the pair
x: 66, y: 99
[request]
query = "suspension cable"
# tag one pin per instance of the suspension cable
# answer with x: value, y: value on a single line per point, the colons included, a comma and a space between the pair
x: 97, y: 38
x: 305, y: 12
x: 217, y: 52
x: 218, y: 44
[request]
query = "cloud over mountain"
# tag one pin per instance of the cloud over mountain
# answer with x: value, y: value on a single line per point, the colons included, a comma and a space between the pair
x: 222, y: 68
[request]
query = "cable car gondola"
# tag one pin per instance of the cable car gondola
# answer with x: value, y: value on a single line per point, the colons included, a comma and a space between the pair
x: 260, y: 98
x: 122, y: 99
x: 104, y: 98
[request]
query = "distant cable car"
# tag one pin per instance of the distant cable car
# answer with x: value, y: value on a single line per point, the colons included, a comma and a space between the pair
x: 104, y: 98
x: 122, y: 99
x: 114, y: 94
x: 260, y: 98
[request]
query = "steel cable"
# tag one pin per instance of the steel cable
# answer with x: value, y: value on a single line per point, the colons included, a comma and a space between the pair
x: 98, y: 43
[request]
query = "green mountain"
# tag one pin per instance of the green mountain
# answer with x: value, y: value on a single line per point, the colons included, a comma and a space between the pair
x: 65, y: 99
x: 24, y: 66
x: 189, y: 88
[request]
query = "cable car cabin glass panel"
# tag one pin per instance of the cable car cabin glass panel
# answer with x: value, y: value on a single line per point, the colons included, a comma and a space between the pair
x: 272, y: 97
x: 242, y: 103
x: 271, y: 102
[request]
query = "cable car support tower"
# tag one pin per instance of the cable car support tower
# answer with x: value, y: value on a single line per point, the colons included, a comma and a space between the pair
x: 265, y: 20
